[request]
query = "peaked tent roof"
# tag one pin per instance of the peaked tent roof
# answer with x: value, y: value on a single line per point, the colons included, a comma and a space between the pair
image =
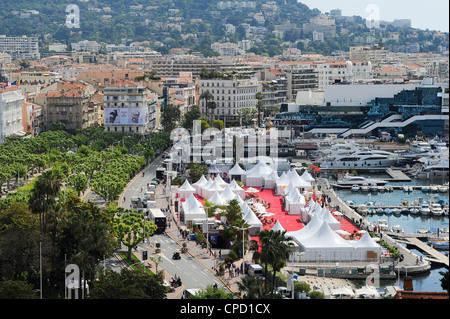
x: 309, y: 229
x: 297, y: 180
x: 366, y: 241
x: 202, y: 180
x: 217, y: 199
x: 228, y: 194
x: 325, y: 237
x: 237, y: 170
x: 186, y: 187
x: 278, y: 227
x: 261, y: 169
x: 214, y: 170
x: 251, y: 219
x: 307, y: 176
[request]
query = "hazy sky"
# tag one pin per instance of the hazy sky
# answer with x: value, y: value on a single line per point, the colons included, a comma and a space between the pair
x: 431, y: 14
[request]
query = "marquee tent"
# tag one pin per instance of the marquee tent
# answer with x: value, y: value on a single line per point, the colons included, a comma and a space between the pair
x: 306, y: 176
x: 295, y: 202
x: 271, y: 180
x: 214, y: 170
x: 192, y: 209
x: 228, y: 194
x: 367, y: 292
x: 253, y: 221
x: 255, y: 176
x: 308, y: 230
x: 297, y: 180
x: 218, y: 199
x: 209, y: 189
x: 234, y: 186
x: 198, y: 185
x: 237, y: 170
x: 185, y: 190
x: 326, y: 216
x: 278, y: 227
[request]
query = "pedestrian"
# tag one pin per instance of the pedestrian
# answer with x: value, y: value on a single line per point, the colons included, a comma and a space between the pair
x: 237, y: 271
x: 220, y: 254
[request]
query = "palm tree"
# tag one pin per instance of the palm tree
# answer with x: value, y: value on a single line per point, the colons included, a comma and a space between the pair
x: 206, y: 96
x: 252, y: 287
x: 259, y: 106
x: 274, y: 250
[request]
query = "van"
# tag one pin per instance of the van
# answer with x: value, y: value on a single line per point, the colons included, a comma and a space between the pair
x: 149, y: 196
x: 189, y: 292
x: 255, y: 270
x: 151, y: 204
x: 151, y: 188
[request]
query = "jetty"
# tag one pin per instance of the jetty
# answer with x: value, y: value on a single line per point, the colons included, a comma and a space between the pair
x: 434, y: 255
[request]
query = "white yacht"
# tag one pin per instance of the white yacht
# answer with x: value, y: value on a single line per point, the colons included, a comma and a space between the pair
x: 348, y: 180
x: 373, y: 187
x: 361, y: 159
x: 424, y: 208
x: 436, y: 209
x: 365, y: 187
x: 355, y: 188
x: 435, y: 171
x: 396, y: 229
x: 414, y: 211
x: 418, y: 149
x: 382, y: 224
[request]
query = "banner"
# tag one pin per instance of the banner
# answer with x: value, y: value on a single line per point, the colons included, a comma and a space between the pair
x: 126, y: 116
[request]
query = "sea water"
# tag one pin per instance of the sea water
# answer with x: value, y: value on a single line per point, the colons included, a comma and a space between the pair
x: 429, y: 281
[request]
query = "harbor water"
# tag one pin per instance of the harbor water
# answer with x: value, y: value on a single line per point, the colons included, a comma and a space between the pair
x: 429, y: 281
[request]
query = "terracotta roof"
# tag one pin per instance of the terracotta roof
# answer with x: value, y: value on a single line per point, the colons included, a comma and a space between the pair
x: 124, y: 83
x: 402, y: 294
x: 71, y: 93
x: 11, y: 88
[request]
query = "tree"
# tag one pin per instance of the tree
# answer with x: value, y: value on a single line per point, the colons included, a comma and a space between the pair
x: 17, y: 289
x: 171, y: 114
x: 212, y: 292
x: 252, y: 287
x: 207, y: 96
x: 191, y: 116
x: 129, y: 228
x: 128, y: 284
x: 259, y: 106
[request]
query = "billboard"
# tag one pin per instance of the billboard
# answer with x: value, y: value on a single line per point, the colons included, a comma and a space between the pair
x: 126, y: 116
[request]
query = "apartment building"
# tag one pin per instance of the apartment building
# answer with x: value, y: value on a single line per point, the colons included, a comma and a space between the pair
x: 11, y: 100
x: 20, y: 47
x: 300, y: 76
x: 128, y: 108
x: 230, y: 95
x: 273, y: 88
x: 104, y: 78
x: 69, y: 107
x: 184, y: 90
x: 33, y: 120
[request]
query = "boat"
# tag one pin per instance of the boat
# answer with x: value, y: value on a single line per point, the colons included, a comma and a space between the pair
x: 350, y: 203
x: 396, y: 229
x: 407, y: 189
x: 442, y: 189
x: 355, y: 188
x: 362, y: 209
x: 348, y: 180
x: 382, y: 224
x: 435, y: 171
x: 433, y: 188
x: 373, y: 187
x: 388, y: 211
x: 418, y: 149
x: 389, y: 188
x: 438, y: 242
x: 365, y: 187
x: 396, y: 211
x: 425, y: 189
x: 414, y: 211
x: 424, y: 208
x: 362, y: 159
x: 379, y: 211
x: 436, y: 209
x: 381, y: 189
x: 404, y: 210
x: 423, y: 230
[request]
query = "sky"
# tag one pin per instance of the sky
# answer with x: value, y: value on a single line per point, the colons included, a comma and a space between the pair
x: 431, y: 14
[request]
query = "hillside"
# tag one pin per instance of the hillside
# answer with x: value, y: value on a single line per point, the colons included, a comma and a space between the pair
x: 193, y: 24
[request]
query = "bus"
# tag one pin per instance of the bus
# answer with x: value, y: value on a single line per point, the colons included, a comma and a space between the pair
x: 157, y: 217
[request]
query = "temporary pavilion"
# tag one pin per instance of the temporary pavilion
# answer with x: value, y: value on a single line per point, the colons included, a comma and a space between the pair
x: 192, y: 209
x: 237, y: 172
x: 185, y: 190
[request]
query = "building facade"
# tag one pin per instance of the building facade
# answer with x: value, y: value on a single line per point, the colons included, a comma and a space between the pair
x: 11, y: 100
x: 20, y: 47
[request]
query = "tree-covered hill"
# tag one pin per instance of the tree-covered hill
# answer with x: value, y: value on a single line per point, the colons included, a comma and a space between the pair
x: 193, y: 24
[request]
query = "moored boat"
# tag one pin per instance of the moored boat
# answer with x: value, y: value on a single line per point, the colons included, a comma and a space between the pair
x: 436, y: 209
x: 355, y: 188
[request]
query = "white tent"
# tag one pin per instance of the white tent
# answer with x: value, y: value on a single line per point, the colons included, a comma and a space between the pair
x: 219, y: 180
x: 343, y: 291
x: 271, y: 180
x: 185, y: 190
x: 237, y: 170
x: 278, y: 227
x: 238, y: 198
x: 281, y: 184
x: 295, y: 202
x: 327, y: 217
x: 367, y: 292
x: 325, y: 245
x: 228, y: 194
x: 237, y: 189
x: 210, y: 188
x: 306, y: 176
x: 297, y: 180
x: 204, y: 187
x: 255, y: 176
x: 367, y: 247
x: 214, y: 170
x: 310, y: 229
x: 253, y: 221
x: 192, y: 209
x: 218, y: 199
x: 198, y: 185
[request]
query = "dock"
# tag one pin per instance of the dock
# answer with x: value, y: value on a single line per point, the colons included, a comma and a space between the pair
x: 434, y: 255
x: 397, y: 176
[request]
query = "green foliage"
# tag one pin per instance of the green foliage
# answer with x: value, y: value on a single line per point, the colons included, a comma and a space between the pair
x: 212, y: 293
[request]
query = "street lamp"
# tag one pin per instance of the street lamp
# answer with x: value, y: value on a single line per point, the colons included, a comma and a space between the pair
x: 243, y: 251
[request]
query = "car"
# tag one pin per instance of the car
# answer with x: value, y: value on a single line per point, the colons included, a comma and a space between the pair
x: 154, y: 183
x: 373, y: 138
x: 156, y: 180
x: 144, y: 203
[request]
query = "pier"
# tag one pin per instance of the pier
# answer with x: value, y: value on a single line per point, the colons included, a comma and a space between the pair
x: 434, y: 255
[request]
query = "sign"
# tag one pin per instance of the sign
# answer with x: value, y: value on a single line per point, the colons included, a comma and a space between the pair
x: 126, y: 116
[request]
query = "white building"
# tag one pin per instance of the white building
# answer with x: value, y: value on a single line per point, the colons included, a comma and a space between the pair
x: 128, y: 108
x: 85, y: 45
x: 229, y: 95
x: 20, y: 47
x: 11, y: 100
